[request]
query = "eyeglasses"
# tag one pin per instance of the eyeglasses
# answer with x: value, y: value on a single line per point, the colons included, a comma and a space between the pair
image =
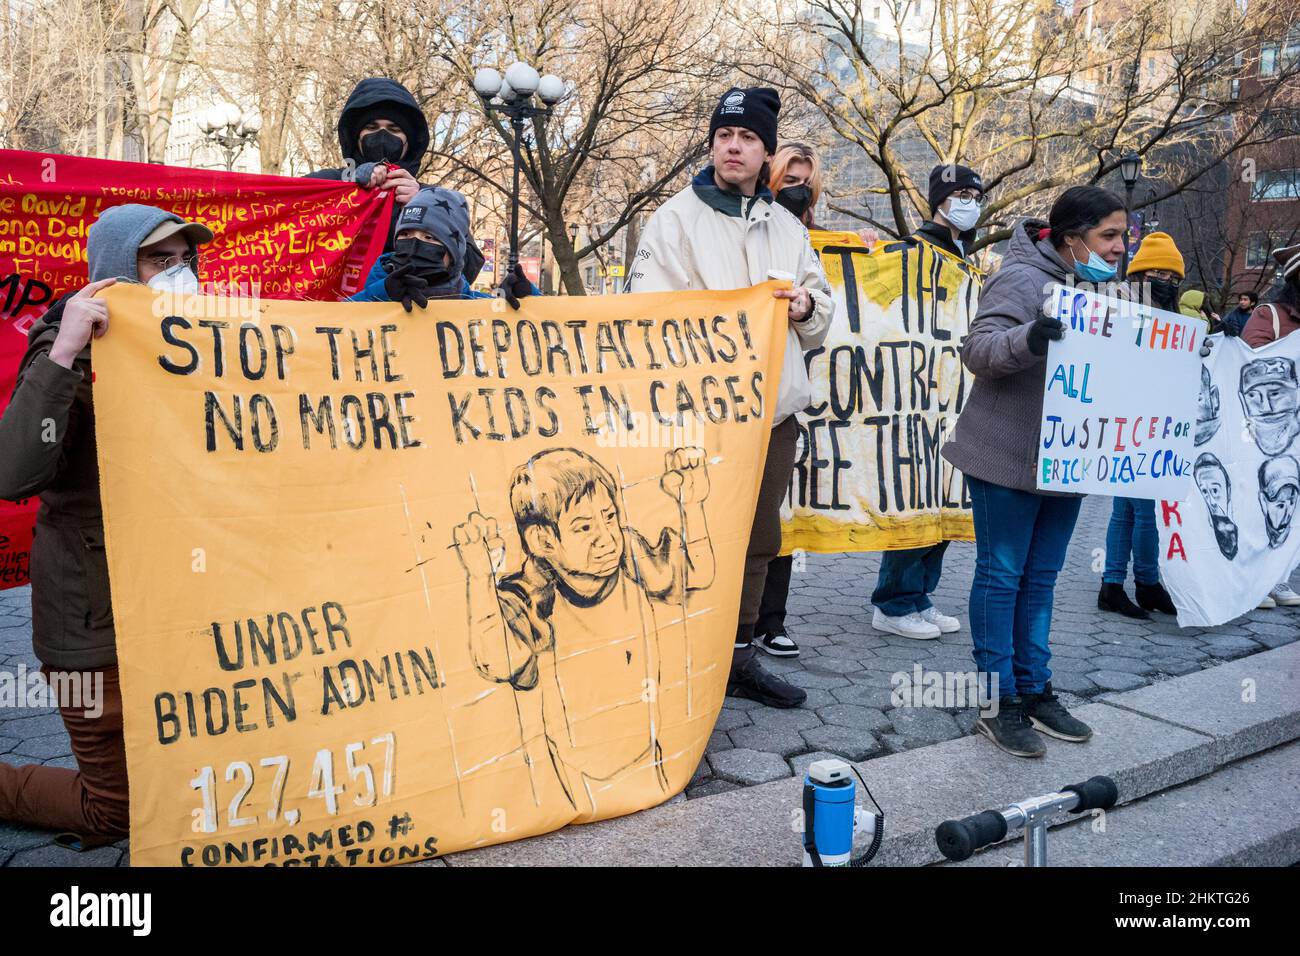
x: 970, y: 195
x: 163, y: 262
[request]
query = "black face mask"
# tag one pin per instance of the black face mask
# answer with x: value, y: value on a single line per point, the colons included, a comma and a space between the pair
x: 381, y: 145
x: 1165, y: 294
x: 797, y: 199
x: 426, y: 260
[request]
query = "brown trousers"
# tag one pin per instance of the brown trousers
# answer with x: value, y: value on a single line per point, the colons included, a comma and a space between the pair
x: 765, y: 536
x: 90, y: 801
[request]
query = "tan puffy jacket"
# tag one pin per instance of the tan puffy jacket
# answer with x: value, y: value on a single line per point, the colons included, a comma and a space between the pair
x: 704, y: 238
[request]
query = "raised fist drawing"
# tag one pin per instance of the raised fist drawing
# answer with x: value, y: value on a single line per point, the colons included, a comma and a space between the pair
x: 686, y: 475
x: 479, y: 546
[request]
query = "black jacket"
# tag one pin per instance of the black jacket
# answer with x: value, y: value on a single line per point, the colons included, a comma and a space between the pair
x: 941, y: 236
x: 402, y: 109
x: 72, y: 613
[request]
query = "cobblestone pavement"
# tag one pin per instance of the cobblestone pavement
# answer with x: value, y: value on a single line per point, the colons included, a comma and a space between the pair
x: 846, y: 667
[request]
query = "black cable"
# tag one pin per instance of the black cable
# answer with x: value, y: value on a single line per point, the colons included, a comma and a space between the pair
x: 864, y: 858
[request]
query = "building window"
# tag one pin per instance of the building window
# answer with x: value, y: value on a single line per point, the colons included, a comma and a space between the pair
x: 1280, y: 122
x: 1259, y: 248
x: 1268, y: 59
x: 1273, y: 185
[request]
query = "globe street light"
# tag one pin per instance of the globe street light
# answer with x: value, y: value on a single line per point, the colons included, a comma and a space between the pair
x: 226, y: 127
x: 512, y: 95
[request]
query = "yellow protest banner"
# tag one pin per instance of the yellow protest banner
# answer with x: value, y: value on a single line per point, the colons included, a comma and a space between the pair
x: 888, y: 385
x: 388, y: 586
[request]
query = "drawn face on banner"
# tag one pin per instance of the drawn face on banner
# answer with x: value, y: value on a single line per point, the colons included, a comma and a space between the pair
x: 1216, y: 489
x: 584, y: 539
x: 1269, y: 397
x: 1279, y: 488
x: 1207, y: 408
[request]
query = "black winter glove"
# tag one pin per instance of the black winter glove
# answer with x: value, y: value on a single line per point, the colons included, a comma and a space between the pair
x: 404, y: 287
x: 1044, y: 330
x: 515, y: 286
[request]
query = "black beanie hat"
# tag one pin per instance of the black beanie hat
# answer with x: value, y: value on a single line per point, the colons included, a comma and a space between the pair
x: 753, y: 109
x: 948, y: 179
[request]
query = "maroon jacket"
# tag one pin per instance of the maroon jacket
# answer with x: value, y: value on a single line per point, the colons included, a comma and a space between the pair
x: 1259, y: 327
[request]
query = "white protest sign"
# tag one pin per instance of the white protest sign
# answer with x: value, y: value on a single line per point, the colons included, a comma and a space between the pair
x: 1228, y: 541
x: 1119, y: 398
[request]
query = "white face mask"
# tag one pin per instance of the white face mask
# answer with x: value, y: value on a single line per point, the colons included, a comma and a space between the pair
x: 179, y: 279
x: 962, y: 213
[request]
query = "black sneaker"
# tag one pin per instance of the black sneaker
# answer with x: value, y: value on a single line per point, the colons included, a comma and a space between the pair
x: 1048, y: 714
x: 757, y: 684
x: 1112, y: 598
x: 1154, y: 597
x: 1010, y: 729
x: 778, y: 645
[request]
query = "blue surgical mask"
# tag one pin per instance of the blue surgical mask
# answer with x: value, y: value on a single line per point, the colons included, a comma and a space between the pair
x: 1096, y: 269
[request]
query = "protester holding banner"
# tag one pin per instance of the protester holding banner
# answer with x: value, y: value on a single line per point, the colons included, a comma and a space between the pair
x: 1280, y: 315
x: 1154, y: 274
x: 725, y: 231
x: 1021, y: 534
x: 383, y: 136
x: 908, y: 577
x: 48, y: 433
x: 796, y: 181
x: 428, y: 259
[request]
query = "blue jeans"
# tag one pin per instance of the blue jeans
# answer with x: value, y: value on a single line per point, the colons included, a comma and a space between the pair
x: 1132, y: 528
x: 1020, y: 544
x: 907, y: 578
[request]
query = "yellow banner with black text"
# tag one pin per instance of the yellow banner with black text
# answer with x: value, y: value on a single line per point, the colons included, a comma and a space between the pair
x: 888, y: 385
x: 389, y: 586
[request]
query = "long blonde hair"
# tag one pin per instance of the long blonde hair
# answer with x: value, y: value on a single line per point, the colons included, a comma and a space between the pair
x: 798, y: 152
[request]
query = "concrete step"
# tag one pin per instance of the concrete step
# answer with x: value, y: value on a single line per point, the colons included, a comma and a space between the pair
x: 1149, y: 740
x: 1244, y: 814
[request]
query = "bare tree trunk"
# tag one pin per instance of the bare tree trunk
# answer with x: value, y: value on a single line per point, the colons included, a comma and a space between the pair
x: 630, y: 243
x: 566, y: 260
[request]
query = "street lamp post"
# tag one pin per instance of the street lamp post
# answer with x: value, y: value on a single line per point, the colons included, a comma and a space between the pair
x: 573, y: 245
x: 512, y: 95
x: 228, y: 128
x: 1130, y: 164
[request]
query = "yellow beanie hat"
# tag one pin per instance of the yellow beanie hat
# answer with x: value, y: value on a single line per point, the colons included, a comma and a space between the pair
x: 1158, y: 252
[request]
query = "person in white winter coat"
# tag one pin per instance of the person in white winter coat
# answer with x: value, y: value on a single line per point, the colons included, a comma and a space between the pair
x: 724, y: 231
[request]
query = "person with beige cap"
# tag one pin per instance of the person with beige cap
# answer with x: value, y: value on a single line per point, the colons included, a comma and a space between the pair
x: 48, y: 436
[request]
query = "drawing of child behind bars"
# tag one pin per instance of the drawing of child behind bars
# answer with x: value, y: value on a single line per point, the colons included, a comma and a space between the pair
x: 575, y: 623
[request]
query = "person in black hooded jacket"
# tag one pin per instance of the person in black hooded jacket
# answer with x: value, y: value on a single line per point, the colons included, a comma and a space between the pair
x: 381, y: 124
x: 383, y: 136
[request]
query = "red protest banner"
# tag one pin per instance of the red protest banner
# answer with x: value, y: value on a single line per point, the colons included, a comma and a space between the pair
x: 287, y: 238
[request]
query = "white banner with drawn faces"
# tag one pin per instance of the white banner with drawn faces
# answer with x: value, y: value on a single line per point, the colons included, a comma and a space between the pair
x: 1230, y: 541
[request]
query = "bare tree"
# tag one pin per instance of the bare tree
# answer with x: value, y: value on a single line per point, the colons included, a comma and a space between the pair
x: 1033, y: 96
x: 642, y: 75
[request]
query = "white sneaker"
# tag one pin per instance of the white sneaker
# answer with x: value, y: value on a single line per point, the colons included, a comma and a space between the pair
x: 1267, y: 603
x: 908, y: 625
x: 947, y: 624
x: 1284, y: 596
